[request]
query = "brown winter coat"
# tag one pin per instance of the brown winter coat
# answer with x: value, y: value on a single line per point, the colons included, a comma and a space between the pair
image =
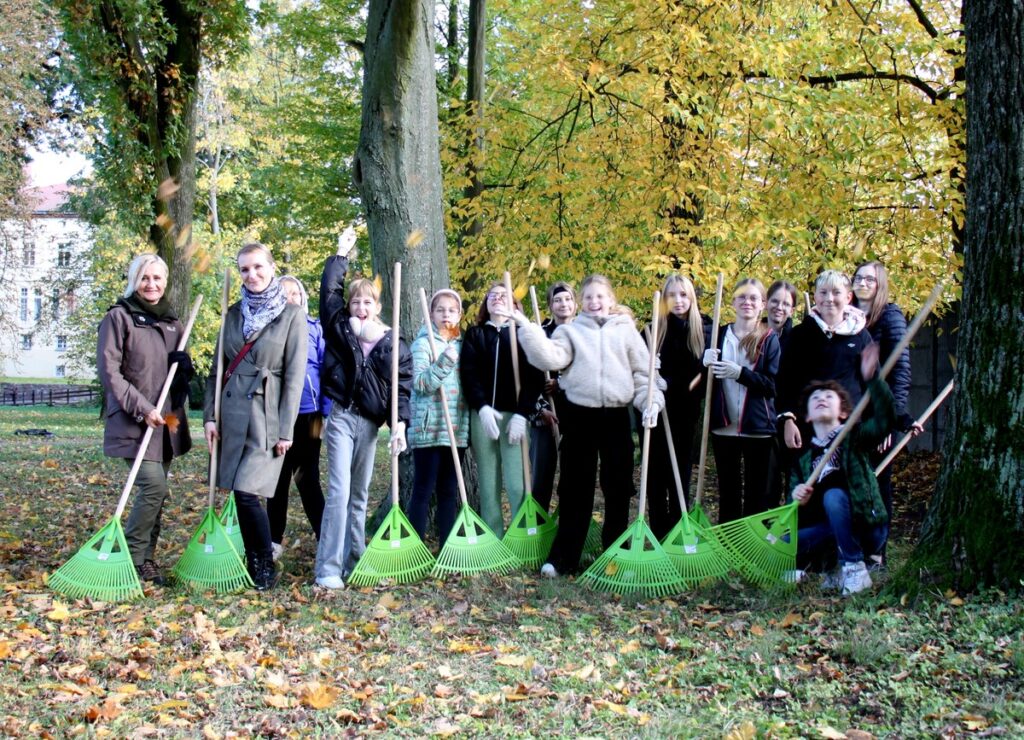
x: 131, y: 361
x: 260, y: 401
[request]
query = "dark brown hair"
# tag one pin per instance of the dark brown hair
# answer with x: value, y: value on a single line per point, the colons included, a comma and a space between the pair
x: 845, y: 402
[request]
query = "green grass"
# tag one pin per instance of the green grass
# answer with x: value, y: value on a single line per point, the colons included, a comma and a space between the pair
x: 497, y: 656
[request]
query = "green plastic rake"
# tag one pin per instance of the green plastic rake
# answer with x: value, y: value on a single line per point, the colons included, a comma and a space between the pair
x: 694, y: 550
x: 211, y: 561
x: 471, y: 546
x: 636, y: 561
x: 396, y: 551
x: 229, y: 518
x: 103, y: 569
x: 532, y: 531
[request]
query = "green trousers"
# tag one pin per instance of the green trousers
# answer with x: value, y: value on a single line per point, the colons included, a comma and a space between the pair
x: 143, y: 527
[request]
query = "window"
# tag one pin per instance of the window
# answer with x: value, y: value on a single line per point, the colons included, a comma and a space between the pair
x: 62, y: 342
x: 63, y: 257
x: 26, y: 341
x: 60, y: 371
x: 37, y: 305
x: 23, y: 305
x: 69, y: 301
x: 28, y: 254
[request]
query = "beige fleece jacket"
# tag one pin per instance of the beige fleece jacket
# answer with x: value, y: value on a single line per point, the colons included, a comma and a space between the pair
x: 603, y: 360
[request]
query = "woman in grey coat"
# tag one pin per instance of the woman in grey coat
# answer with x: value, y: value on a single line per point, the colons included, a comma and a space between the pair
x: 264, y: 361
x: 137, y: 343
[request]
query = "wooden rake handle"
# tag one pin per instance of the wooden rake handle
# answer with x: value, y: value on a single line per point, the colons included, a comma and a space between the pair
x: 862, y: 405
x: 123, y: 501
x: 524, y: 443
x: 396, y: 305
x: 706, y: 427
x: 646, y: 450
x: 922, y: 419
x: 444, y: 402
x: 219, y: 385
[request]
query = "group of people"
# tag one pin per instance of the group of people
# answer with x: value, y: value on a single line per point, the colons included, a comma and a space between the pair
x: 574, y: 387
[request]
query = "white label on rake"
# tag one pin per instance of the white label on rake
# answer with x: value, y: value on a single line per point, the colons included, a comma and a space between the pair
x: 772, y: 539
x: 690, y: 549
x: 395, y: 544
x: 103, y: 556
x: 208, y: 549
x: 531, y: 531
x: 471, y: 540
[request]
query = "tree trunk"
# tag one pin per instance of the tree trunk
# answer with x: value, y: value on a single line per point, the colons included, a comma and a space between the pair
x: 973, y: 529
x: 475, y: 86
x: 398, y: 164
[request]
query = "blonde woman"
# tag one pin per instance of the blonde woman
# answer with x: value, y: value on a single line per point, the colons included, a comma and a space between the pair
x: 681, y: 341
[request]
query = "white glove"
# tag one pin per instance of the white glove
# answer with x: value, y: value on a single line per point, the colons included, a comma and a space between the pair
x: 661, y: 383
x: 657, y: 361
x: 726, y: 370
x: 451, y: 353
x: 490, y: 418
x: 516, y: 429
x: 649, y: 417
x: 710, y: 356
x: 398, y: 445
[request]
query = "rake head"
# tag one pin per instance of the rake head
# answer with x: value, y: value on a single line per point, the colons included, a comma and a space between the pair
x: 395, y: 553
x: 593, y: 546
x: 762, y: 546
x: 531, y: 533
x: 699, y: 517
x: 472, y: 547
x: 229, y: 518
x: 210, y: 561
x: 696, y: 554
x: 635, y: 563
x: 102, y: 569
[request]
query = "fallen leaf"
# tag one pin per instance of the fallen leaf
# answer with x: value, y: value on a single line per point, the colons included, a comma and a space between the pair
x: 757, y: 630
x: 278, y: 701
x: 585, y: 672
x: 59, y: 612
x: 514, y: 661
x: 746, y: 731
x: 318, y: 696
x: 49, y: 464
x: 790, y: 619
x: 831, y: 733
x: 389, y: 602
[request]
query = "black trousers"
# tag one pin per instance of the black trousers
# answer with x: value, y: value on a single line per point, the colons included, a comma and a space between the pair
x: 301, y: 463
x: 745, y: 471
x: 591, y: 436
x: 662, y: 496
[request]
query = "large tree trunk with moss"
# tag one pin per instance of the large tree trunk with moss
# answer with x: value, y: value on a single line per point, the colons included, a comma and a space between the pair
x: 972, y: 533
x: 398, y: 163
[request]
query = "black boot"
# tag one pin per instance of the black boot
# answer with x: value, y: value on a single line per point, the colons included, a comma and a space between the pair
x: 264, y: 574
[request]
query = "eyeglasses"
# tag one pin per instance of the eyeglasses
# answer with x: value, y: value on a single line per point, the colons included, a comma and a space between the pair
x: 755, y: 299
x: 866, y: 279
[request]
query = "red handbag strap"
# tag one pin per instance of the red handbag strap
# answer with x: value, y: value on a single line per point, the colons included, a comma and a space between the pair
x: 238, y: 359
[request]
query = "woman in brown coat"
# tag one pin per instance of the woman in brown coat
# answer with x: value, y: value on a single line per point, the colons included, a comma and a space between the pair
x: 264, y: 356
x: 137, y: 343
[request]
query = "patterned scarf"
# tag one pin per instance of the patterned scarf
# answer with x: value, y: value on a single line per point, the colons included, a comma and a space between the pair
x: 259, y: 309
x: 820, y: 447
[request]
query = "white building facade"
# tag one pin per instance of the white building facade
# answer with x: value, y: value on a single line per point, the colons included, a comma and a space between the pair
x: 42, y: 281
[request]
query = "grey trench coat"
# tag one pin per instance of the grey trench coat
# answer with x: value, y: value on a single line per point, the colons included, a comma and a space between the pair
x: 260, y: 401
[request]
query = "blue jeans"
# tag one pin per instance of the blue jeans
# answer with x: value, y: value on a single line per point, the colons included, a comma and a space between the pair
x: 351, y: 443
x: 839, y: 530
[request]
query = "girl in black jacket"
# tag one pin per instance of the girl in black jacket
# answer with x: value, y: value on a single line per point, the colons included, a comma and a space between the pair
x: 498, y: 420
x: 682, y: 336
x: 743, y: 406
x: 887, y: 325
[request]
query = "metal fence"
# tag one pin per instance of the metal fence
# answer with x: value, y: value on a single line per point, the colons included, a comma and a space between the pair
x: 57, y: 395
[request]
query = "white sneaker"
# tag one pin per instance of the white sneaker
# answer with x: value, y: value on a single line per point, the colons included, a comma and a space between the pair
x: 548, y: 571
x: 331, y: 582
x: 278, y: 549
x: 855, y: 578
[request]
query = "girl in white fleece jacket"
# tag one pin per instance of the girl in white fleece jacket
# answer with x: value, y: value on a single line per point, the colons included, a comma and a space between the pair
x: 603, y: 362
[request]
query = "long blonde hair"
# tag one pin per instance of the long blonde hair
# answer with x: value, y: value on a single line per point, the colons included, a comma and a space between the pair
x: 752, y: 341
x: 873, y: 311
x: 695, y: 336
